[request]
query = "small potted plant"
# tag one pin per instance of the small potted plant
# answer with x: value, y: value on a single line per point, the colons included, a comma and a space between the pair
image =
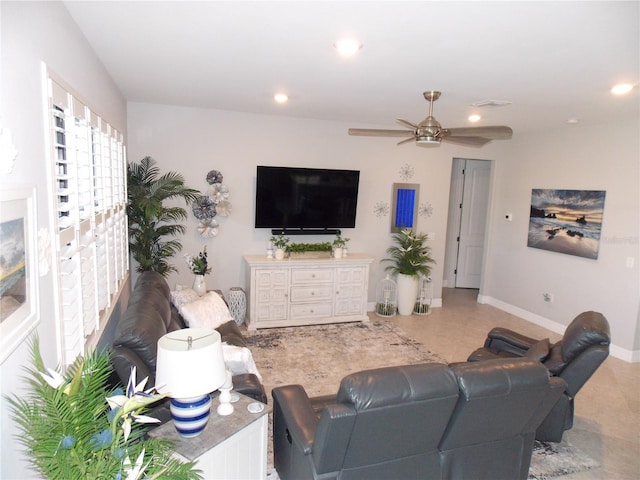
x: 280, y: 243
x: 339, y: 246
x: 199, y: 266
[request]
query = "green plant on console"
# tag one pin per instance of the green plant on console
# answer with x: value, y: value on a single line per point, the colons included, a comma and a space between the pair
x: 309, y: 247
x: 73, y: 425
x: 281, y: 241
x: 340, y: 241
x: 410, y: 256
x: 152, y: 224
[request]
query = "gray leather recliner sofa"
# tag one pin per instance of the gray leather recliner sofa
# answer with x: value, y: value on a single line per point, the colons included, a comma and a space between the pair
x: 149, y: 315
x: 575, y: 358
x: 432, y: 421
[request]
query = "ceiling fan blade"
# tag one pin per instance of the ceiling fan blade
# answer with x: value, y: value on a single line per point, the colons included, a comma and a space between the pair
x: 372, y: 132
x: 406, y: 140
x: 467, y: 141
x: 492, y: 132
x: 407, y: 123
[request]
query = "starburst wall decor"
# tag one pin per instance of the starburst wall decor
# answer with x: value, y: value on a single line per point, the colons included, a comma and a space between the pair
x: 425, y: 210
x: 214, y: 203
x: 381, y: 209
x: 406, y: 172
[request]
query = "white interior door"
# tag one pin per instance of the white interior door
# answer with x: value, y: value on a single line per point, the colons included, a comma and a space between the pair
x: 475, y: 200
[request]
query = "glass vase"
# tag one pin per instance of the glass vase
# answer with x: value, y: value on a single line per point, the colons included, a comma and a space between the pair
x: 199, y: 285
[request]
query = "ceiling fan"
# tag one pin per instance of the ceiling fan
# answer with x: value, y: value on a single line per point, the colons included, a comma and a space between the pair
x: 430, y: 132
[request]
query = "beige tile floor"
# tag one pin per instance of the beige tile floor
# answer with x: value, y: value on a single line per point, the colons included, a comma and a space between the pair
x: 607, y: 409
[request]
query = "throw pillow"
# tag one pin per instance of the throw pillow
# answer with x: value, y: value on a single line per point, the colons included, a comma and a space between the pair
x: 209, y: 311
x: 181, y: 296
x: 538, y: 351
x: 239, y: 360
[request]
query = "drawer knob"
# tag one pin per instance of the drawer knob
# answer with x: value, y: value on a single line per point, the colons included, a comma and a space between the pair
x: 313, y: 293
x: 313, y: 275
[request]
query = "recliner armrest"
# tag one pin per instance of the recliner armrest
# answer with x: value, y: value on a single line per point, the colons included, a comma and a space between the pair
x: 298, y: 415
x: 509, y: 341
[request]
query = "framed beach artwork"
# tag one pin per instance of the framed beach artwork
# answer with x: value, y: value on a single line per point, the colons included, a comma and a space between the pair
x: 18, y: 278
x: 566, y: 221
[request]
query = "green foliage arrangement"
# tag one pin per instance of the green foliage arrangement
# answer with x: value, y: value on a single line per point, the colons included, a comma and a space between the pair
x: 152, y: 223
x: 410, y: 255
x: 74, y: 427
x: 309, y: 247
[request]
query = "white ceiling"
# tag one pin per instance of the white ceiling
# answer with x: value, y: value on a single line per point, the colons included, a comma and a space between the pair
x: 553, y: 60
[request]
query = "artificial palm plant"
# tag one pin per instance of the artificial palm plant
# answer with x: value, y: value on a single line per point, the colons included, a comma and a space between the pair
x: 152, y: 224
x: 410, y: 255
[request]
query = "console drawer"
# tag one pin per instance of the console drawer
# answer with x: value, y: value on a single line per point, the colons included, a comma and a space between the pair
x: 311, y: 275
x: 310, y: 310
x: 311, y: 293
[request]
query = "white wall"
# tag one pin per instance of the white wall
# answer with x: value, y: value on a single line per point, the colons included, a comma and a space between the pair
x: 33, y: 32
x: 580, y: 158
x: 194, y: 141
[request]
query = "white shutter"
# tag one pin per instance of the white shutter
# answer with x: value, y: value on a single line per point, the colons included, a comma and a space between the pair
x: 89, y: 187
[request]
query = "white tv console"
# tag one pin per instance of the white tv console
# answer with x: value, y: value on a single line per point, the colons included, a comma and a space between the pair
x: 306, y: 291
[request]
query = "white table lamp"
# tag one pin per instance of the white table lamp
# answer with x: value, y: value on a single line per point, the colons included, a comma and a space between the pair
x: 189, y: 367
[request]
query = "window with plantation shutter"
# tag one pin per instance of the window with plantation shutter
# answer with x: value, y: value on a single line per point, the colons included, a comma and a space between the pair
x: 88, y: 177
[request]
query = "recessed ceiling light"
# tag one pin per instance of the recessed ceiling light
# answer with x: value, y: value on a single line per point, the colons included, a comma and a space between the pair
x: 474, y: 118
x: 621, y: 88
x: 347, y: 46
x: 281, y: 97
x: 573, y: 120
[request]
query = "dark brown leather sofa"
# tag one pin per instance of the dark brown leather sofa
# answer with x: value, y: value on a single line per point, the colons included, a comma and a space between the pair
x: 432, y: 421
x: 149, y: 315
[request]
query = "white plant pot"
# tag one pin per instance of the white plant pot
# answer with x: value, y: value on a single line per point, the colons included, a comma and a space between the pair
x: 337, y: 252
x: 279, y: 253
x: 407, y: 287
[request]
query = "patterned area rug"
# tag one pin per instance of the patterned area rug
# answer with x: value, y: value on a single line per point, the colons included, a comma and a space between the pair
x: 319, y: 356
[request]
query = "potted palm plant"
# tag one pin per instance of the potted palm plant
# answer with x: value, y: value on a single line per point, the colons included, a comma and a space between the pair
x: 152, y: 224
x: 410, y: 258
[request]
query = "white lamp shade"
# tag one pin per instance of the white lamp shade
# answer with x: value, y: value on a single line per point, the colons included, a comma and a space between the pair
x: 186, y: 369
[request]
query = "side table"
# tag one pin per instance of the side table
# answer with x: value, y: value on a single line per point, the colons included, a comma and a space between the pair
x: 233, y: 447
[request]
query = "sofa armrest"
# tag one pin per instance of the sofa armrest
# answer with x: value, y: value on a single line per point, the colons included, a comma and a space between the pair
x: 298, y: 415
x: 506, y: 340
x: 248, y: 384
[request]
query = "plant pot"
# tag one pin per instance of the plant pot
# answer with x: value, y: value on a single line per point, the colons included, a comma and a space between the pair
x: 199, y: 285
x: 279, y: 253
x: 337, y: 252
x: 407, y: 292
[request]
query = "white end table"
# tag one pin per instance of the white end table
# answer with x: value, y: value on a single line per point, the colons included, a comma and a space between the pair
x: 233, y: 447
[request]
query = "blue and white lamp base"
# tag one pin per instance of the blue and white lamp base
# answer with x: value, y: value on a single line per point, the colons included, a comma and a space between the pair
x: 190, y: 415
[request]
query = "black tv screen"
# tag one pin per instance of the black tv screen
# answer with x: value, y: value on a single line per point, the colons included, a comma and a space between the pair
x: 315, y: 198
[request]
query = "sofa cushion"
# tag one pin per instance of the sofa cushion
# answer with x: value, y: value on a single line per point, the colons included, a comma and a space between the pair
x: 209, y: 311
x: 186, y: 295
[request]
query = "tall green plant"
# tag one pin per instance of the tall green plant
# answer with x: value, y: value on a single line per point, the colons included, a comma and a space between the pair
x: 410, y: 255
x: 152, y: 224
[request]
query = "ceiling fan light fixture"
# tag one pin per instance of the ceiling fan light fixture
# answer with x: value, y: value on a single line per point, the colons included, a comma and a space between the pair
x: 474, y: 118
x: 427, y: 141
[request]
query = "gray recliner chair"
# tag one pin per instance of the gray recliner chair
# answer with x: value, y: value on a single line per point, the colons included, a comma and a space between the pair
x: 583, y: 348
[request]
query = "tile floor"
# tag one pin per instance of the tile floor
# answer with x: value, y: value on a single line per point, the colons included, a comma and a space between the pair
x: 607, y: 409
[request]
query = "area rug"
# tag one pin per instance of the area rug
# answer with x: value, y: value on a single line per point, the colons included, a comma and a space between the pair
x: 319, y: 356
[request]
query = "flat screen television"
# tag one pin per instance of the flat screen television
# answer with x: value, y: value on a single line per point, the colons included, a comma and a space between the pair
x: 306, y: 198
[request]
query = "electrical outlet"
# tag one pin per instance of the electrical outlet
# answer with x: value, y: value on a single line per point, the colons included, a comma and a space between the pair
x: 548, y: 297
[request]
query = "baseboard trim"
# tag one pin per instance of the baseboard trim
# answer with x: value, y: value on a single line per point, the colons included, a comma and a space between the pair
x: 630, y: 356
